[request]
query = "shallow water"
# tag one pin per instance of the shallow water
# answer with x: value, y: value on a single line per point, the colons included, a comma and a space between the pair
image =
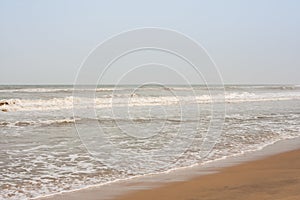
x: 48, y: 146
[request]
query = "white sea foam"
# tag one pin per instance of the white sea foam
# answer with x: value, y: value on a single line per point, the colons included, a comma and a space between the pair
x: 43, y: 153
x: 10, y: 105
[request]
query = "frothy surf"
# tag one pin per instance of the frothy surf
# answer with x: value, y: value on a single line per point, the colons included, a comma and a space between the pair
x: 10, y: 105
x: 42, y: 154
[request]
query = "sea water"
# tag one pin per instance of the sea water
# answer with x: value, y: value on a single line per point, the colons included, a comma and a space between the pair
x: 50, y: 141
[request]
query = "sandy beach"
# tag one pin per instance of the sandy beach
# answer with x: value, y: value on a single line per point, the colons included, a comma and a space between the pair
x: 140, y: 100
x: 271, y: 173
x: 275, y: 177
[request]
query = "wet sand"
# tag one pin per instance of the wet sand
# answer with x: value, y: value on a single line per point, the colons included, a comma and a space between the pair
x: 264, y: 174
x: 275, y: 177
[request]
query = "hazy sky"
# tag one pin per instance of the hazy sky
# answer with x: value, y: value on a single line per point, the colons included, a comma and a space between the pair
x: 251, y: 41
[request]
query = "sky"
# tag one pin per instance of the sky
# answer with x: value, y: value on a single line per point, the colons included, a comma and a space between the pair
x: 252, y: 42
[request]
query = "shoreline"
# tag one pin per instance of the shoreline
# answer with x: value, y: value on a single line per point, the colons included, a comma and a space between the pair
x: 274, y: 177
x: 120, y: 188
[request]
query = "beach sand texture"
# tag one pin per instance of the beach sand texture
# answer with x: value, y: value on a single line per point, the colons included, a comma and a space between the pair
x: 275, y: 177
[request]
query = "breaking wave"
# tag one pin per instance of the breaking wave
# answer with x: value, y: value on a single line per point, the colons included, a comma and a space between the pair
x: 10, y: 105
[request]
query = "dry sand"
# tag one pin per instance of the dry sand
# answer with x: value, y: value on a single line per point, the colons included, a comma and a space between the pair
x: 275, y: 177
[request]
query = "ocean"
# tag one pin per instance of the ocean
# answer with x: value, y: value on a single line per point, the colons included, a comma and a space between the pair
x: 53, y: 139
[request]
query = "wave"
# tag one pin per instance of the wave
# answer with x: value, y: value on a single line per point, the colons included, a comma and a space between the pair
x: 38, y: 122
x: 123, y: 88
x: 252, y: 97
x: 71, y: 120
x: 52, y: 90
x: 263, y: 87
x: 36, y: 90
x: 9, y: 105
